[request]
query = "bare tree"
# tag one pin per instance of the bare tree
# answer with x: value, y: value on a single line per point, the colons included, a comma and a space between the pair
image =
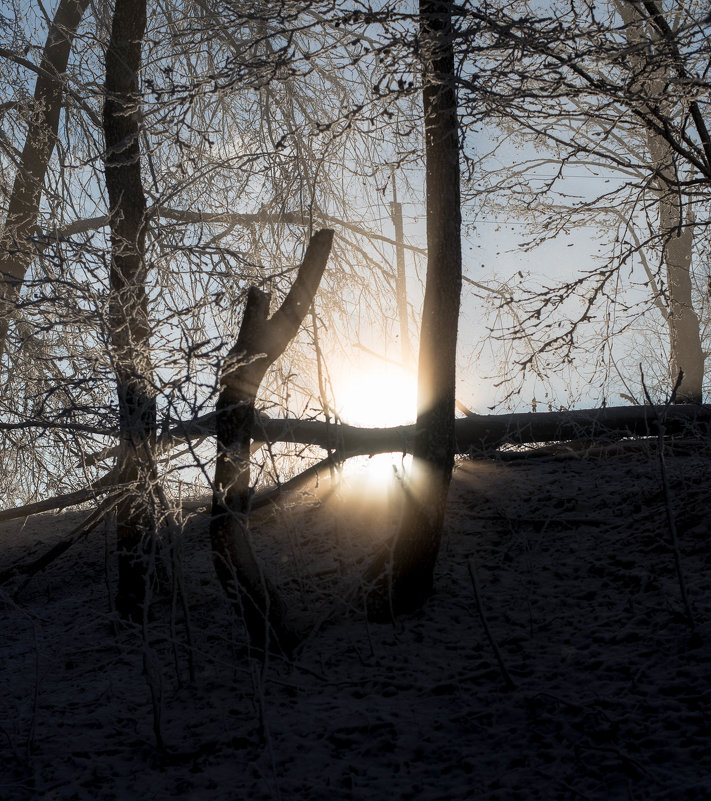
x: 224, y: 198
x: 595, y: 91
x: 646, y: 33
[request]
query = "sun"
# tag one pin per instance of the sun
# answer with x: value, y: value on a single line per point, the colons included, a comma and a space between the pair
x: 376, y: 395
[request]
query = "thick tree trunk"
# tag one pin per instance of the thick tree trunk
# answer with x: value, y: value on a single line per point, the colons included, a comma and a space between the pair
x: 260, y: 342
x: 402, y: 579
x: 128, y: 302
x: 16, y: 247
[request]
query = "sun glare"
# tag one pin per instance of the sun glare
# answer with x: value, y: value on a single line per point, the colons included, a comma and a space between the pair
x: 371, y: 492
x: 383, y: 396
x: 376, y: 395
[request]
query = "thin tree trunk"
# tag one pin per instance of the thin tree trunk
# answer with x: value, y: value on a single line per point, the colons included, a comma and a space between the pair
x: 402, y: 580
x: 128, y: 302
x: 401, y: 280
x: 676, y: 231
x: 260, y: 342
x: 686, y: 352
x: 16, y: 247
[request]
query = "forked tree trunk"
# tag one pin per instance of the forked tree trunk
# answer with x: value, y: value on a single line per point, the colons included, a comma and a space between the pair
x: 260, y: 342
x: 16, y: 247
x: 402, y: 579
x: 128, y: 301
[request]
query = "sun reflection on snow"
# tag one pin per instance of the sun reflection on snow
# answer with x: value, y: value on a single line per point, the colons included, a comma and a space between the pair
x: 379, y: 472
x: 370, y: 493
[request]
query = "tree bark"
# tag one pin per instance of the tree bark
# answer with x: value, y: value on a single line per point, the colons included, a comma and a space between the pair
x: 260, y: 342
x: 686, y: 354
x: 128, y: 300
x: 16, y: 247
x: 484, y: 434
x: 402, y: 579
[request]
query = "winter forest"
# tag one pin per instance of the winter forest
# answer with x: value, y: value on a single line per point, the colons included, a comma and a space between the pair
x: 353, y: 441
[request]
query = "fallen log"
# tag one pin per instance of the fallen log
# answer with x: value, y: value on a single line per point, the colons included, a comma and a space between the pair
x: 476, y: 435
x: 486, y: 433
x: 612, y: 422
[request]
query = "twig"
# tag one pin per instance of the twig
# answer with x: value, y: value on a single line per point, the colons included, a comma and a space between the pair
x: 510, y: 683
x: 178, y: 589
x: 154, y: 680
x: 671, y: 521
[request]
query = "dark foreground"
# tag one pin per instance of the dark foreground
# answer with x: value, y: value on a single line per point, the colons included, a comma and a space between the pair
x: 578, y: 582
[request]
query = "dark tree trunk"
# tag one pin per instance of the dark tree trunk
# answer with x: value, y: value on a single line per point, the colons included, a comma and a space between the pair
x: 128, y: 302
x: 16, y: 247
x: 402, y: 579
x: 260, y: 341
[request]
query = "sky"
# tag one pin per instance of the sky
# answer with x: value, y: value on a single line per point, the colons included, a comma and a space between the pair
x: 371, y: 390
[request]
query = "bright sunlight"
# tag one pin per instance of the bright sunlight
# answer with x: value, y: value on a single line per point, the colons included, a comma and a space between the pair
x: 376, y: 394
x: 381, y: 395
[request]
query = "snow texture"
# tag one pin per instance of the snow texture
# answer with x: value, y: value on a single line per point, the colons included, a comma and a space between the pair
x: 577, y: 580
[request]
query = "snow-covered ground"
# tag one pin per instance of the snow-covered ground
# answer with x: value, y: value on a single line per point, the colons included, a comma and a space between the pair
x: 577, y: 580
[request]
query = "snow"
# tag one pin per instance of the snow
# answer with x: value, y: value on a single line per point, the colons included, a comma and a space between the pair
x: 578, y: 583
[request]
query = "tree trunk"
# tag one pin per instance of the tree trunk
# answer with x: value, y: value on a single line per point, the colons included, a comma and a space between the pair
x: 686, y: 353
x: 402, y: 580
x: 401, y: 281
x: 259, y: 343
x: 676, y: 231
x: 16, y: 247
x: 128, y: 301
